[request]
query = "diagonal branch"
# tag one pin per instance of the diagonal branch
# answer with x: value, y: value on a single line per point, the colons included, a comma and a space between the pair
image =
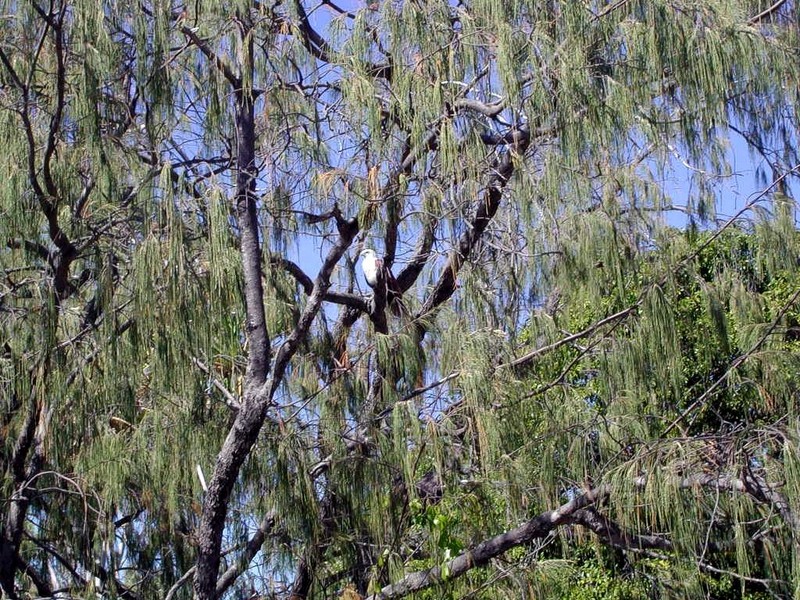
x: 614, y: 535
x: 43, y: 588
x: 481, y: 554
x: 257, y: 397
x: 345, y: 299
x: 527, y: 358
x: 230, y: 400
x: 579, y: 511
x: 321, y: 49
x: 216, y: 60
x: 410, y: 273
x: 26, y: 125
x: 759, y: 489
x: 312, y: 40
x: 767, y: 12
x: 489, y: 204
x: 251, y: 549
x: 348, y: 228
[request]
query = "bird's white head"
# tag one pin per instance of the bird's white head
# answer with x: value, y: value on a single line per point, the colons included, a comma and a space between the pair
x: 368, y: 253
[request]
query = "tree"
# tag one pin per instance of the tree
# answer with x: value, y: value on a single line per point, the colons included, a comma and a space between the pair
x: 197, y: 386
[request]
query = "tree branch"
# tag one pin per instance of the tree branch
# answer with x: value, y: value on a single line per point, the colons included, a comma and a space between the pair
x: 48, y: 197
x: 295, y: 271
x: 224, y: 68
x: 251, y: 549
x: 347, y: 231
x: 319, y: 47
x: 481, y: 554
x: 527, y: 358
x: 578, y: 511
x: 487, y: 110
x: 343, y: 298
x: 26, y: 125
x: 615, y: 536
x: 409, y: 274
x: 610, y: 533
x: 180, y: 583
x: 766, y: 12
x: 42, y: 587
x: 250, y: 418
x: 230, y: 399
x: 759, y: 489
x: 487, y: 208
x: 28, y: 449
x: 55, y: 120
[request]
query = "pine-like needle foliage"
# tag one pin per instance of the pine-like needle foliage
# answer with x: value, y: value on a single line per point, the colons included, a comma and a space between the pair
x: 197, y: 385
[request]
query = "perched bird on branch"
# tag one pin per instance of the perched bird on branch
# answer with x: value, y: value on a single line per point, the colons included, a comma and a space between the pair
x: 381, y: 280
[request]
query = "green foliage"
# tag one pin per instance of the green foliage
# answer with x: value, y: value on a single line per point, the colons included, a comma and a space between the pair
x: 594, y: 575
x: 441, y: 528
x: 514, y: 162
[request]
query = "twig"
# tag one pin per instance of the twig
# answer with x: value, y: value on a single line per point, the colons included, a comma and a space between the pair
x: 230, y: 399
x: 766, y: 12
x: 735, y: 364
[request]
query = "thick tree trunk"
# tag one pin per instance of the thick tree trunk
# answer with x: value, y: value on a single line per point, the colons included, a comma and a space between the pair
x: 252, y: 413
x: 234, y: 451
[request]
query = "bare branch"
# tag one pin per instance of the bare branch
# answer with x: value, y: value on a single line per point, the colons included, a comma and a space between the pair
x: 766, y: 12
x: 421, y: 390
x: 319, y: 47
x: 487, y: 208
x: 614, y: 535
x: 610, y: 533
x: 68, y: 565
x: 183, y: 580
x: 42, y: 587
x: 295, y: 271
x: 217, y: 61
x: 230, y: 399
x: 750, y: 483
x: 537, y: 527
x: 251, y: 549
x: 312, y: 40
x: 488, y: 110
x: 410, y: 273
x: 759, y: 489
x: 347, y: 231
x: 343, y: 298
x: 527, y: 358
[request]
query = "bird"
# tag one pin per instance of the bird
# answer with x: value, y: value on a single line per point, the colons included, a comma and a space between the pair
x: 371, y: 265
x: 377, y: 275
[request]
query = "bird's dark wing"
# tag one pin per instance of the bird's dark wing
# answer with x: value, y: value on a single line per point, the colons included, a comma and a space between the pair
x: 394, y: 295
